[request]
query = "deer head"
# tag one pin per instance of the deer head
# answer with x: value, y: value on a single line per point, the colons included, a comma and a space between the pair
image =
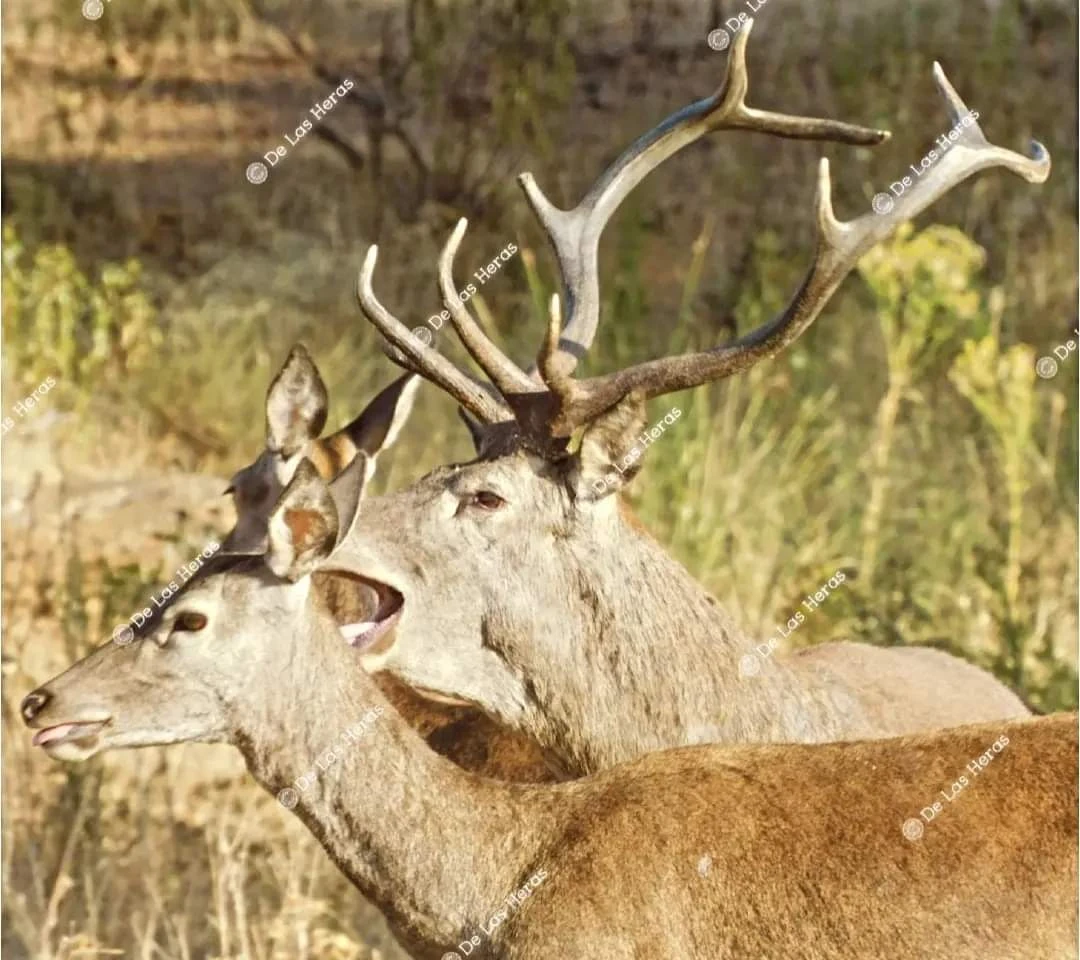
x: 296, y: 406
x: 202, y: 670
x: 518, y: 569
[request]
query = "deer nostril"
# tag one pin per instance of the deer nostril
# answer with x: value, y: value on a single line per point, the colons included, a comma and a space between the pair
x: 33, y: 703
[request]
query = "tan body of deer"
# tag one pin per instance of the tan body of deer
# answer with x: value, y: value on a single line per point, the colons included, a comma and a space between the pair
x: 703, y: 853
x: 514, y: 582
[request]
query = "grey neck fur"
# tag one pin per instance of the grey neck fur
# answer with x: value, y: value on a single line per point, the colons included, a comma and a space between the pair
x: 687, y: 667
x: 433, y: 847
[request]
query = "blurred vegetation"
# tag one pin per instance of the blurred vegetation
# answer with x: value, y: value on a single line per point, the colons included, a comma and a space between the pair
x: 905, y: 438
x: 59, y: 321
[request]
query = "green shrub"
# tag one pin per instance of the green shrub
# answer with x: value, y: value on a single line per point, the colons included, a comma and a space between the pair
x: 60, y: 322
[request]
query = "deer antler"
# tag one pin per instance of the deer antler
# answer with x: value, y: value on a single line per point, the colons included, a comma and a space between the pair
x: 503, y: 372
x: 417, y: 356
x: 547, y: 403
x: 575, y: 234
x: 840, y: 245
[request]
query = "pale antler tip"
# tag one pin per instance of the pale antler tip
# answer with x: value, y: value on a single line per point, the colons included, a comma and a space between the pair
x: 732, y: 93
x: 369, y: 266
x: 446, y: 260
x: 940, y: 79
x: 742, y: 38
x: 545, y: 359
x: 827, y: 221
x: 455, y: 238
x: 542, y: 207
x: 554, y: 323
x: 1040, y: 163
x: 953, y: 100
x: 532, y: 189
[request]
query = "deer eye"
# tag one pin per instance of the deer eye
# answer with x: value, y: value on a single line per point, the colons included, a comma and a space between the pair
x: 188, y: 622
x: 485, y: 500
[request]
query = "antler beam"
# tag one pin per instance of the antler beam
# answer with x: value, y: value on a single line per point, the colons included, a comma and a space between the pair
x: 839, y: 247
x: 575, y: 234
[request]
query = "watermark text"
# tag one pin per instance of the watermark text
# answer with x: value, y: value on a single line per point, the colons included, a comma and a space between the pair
x: 883, y: 202
x: 259, y: 171
x: 750, y: 664
x: 435, y: 322
x: 352, y: 735
x: 913, y: 828
x: 27, y: 403
x: 125, y: 633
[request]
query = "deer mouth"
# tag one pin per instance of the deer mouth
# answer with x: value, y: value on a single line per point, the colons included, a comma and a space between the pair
x: 373, y: 610
x: 70, y: 741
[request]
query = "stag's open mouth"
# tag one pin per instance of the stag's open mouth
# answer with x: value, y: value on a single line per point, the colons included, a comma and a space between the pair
x: 373, y: 610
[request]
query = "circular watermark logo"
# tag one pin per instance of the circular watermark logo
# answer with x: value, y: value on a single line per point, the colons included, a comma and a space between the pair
x: 288, y: 798
x: 256, y: 172
x: 718, y: 39
x: 123, y: 635
x: 1046, y: 367
x: 883, y: 203
x: 912, y: 829
x: 93, y: 9
x: 749, y: 666
x: 423, y: 334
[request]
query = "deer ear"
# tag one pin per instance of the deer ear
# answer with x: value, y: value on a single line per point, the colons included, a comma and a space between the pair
x: 486, y: 437
x: 295, y: 404
x: 475, y: 428
x: 348, y: 490
x: 381, y: 421
x: 610, y: 453
x: 303, y: 525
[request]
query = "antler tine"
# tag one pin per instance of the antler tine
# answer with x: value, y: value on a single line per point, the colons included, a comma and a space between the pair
x: 421, y: 358
x: 558, y: 381
x: 507, y: 376
x: 840, y: 245
x: 575, y: 234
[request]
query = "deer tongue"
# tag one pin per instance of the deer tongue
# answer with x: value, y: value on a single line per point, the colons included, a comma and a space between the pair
x: 65, y: 731
x: 356, y: 634
x: 364, y: 634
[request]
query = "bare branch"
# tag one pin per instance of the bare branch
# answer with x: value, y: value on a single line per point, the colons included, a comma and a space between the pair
x: 354, y: 157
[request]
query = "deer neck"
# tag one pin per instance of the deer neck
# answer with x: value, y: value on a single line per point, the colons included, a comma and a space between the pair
x: 655, y: 662
x: 436, y: 849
